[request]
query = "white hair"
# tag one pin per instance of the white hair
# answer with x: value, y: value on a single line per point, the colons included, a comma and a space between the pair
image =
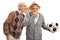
x: 19, y: 4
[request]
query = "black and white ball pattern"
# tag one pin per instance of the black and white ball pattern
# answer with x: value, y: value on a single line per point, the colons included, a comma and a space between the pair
x: 53, y: 27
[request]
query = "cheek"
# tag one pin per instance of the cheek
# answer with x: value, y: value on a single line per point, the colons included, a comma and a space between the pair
x: 23, y: 8
x: 32, y: 10
x: 36, y: 10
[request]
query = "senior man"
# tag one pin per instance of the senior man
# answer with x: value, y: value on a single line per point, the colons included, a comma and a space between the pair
x: 34, y: 21
x: 13, y: 25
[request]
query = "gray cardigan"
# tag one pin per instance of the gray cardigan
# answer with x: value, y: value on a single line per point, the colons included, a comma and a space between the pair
x: 33, y: 31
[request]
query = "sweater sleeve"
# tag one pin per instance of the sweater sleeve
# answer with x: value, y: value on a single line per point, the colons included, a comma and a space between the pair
x: 7, y: 23
x: 43, y: 24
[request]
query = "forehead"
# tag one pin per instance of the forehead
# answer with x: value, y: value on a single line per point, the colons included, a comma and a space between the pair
x: 35, y: 6
x: 23, y: 4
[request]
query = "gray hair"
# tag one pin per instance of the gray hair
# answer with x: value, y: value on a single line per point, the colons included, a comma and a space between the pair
x: 20, y: 4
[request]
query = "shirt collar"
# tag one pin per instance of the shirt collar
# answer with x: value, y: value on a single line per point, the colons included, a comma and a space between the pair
x: 24, y: 13
x: 21, y: 12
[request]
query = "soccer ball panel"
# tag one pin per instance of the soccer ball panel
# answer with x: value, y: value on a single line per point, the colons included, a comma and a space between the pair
x: 53, y: 27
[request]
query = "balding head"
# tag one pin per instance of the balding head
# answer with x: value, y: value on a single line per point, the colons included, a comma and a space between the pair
x: 22, y: 6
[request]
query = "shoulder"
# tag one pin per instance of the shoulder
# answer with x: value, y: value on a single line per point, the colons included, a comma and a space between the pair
x: 12, y: 13
x: 41, y: 15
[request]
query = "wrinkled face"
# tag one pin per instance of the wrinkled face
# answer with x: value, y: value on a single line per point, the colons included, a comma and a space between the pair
x: 34, y: 9
x: 22, y: 7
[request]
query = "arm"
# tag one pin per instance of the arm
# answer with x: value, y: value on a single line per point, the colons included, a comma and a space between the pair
x: 7, y: 23
x: 44, y: 26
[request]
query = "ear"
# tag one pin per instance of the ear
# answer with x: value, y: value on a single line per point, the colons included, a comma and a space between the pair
x: 19, y: 8
x: 38, y: 8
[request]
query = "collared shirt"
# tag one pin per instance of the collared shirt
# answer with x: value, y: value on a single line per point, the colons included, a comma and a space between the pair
x: 36, y: 19
x: 21, y: 12
x: 24, y: 14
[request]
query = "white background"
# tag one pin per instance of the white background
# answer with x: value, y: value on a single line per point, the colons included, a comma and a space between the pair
x: 49, y: 8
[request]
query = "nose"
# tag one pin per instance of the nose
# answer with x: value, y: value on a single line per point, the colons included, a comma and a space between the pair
x: 54, y: 29
x: 34, y: 10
